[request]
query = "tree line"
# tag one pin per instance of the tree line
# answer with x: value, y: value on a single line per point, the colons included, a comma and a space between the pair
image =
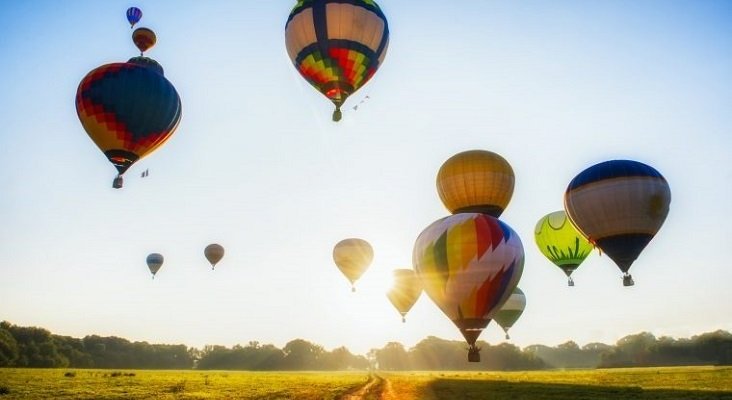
x: 38, y: 348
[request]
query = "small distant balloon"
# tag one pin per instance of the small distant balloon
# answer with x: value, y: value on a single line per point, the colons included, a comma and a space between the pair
x: 353, y: 256
x: 214, y: 253
x: 405, y: 291
x: 133, y: 16
x: 154, y: 262
x: 511, y: 311
x: 144, y: 39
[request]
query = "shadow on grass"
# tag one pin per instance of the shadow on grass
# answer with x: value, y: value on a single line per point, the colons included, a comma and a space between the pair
x: 503, y: 390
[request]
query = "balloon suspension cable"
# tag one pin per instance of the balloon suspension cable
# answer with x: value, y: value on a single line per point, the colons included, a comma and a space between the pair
x: 593, y: 242
x: 337, y: 114
x: 118, y: 182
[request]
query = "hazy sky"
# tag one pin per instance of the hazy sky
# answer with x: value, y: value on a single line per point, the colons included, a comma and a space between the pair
x: 258, y: 166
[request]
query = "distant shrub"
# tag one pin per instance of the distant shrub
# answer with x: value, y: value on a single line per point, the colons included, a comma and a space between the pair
x: 70, y: 374
x: 178, y: 388
x: 4, y: 390
x: 115, y: 374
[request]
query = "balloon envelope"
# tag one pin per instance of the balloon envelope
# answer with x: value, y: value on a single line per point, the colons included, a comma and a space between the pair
x: 133, y: 15
x: 214, y: 253
x: 336, y: 45
x: 476, y: 181
x: 128, y: 110
x: 405, y: 290
x: 353, y: 256
x: 469, y: 264
x: 619, y: 206
x: 511, y: 310
x: 560, y: 242
x: 144, y: 39
x: 154, y: 262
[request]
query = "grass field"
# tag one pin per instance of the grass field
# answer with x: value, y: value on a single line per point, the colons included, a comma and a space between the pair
x: 703, y: 383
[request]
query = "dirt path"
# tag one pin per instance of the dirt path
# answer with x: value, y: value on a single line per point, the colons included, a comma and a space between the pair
x: 376, y: 388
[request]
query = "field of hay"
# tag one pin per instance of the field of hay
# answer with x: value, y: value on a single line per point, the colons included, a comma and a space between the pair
x: 704, y: 383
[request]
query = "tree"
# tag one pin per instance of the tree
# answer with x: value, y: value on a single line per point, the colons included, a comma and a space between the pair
x: 392, y: 357
x: 8, y: 348
x: 434, y: 353
x: 301, y: 355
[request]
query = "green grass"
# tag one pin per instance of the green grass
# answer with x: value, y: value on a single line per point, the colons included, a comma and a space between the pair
x: 677, y: 383
x: 698, y: 383
x: 108, y: 384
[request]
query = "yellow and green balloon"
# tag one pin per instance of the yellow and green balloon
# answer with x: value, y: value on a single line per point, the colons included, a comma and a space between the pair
x: 560, y: 242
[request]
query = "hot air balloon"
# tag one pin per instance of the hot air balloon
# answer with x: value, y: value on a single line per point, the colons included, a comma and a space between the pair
x: 154, y: 262
x: 511, y: 311
x: 353, y: 256
x: 336, y: 45
x: 561, y: 242
x: 214, y: 253
x: 405, y: 291
x: 469, y: 264
x: 128, y: 109
x: 133, y: 16
x: 144, y: 39
x: 619, y: 206
x: 476, y: 181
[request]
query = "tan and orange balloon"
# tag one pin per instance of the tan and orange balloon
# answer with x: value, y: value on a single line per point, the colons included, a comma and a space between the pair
x: 405, y: 291
x: 353, y: 256
x: 476, y: 181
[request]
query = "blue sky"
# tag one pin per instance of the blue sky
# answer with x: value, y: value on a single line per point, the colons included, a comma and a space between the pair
x: 258, y: 166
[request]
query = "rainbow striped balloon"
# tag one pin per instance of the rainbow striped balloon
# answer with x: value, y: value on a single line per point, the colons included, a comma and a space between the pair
x: 469, y: 264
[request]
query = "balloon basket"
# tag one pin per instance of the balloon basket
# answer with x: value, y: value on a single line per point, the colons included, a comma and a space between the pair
x: 117, y: 182
x: 473, y: 355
